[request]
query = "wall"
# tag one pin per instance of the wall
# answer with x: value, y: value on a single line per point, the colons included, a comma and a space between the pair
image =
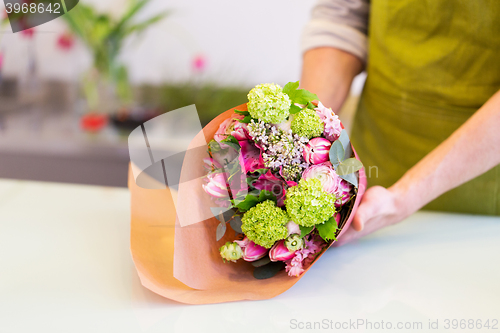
x: 243, y: 42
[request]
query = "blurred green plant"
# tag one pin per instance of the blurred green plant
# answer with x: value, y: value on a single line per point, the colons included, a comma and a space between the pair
x: 210, y: 99
x: 105, y: 37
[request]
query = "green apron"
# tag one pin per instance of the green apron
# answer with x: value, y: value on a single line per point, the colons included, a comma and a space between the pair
x: 432, y: 64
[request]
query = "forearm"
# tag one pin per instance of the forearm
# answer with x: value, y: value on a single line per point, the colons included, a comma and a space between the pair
x: 470, y: 151
x: 328, y: 72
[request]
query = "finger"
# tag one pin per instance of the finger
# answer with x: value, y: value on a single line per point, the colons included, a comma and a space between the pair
x: 358, y: 223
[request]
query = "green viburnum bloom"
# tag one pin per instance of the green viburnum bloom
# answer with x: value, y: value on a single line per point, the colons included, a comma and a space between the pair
x: 265, y: 224
x: 268, y: 102
x: 294, y: 242
x: 231, y: 251
x: 307, y: 203
x: 308, y: 124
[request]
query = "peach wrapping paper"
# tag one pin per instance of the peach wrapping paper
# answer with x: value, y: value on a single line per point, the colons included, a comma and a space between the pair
x: 183, y: 263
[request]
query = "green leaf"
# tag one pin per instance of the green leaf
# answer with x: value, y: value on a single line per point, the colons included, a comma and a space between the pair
x: 231, y: 139
x: 269, y: 270
x: 243, y: 113
x: 235, y: 223
x: 221, y: 230
x: 328, y: 229
x: 261, y: 171
x: 138, y: 28
x: 262, y: 261
x: 351, y: 178
x: 300, y: 96
x: 336, y: 153
x: 303, y: 96
x: 348, y: 166
x: 226, y: 214
x: 295, y: 109
x: 251, y: 200
x: 346, y: 143
x: 246, y: 120
x: 305, y: 231
x: 290, y: 87
x: 344, y: 139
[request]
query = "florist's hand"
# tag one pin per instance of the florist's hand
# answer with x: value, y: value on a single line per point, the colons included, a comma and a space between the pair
x: 378, y: 208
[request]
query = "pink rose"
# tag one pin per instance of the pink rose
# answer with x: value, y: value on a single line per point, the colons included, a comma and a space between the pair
x: 317, y: 151
x: 326, y: 175
x: 279, y: 252
x: 227, y: 127
x: 333, y: 127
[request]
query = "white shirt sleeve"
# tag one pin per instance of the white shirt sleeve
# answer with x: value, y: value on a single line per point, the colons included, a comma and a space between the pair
x: 342, y: 24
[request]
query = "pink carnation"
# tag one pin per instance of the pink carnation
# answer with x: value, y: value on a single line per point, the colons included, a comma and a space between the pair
x: 333, y: 127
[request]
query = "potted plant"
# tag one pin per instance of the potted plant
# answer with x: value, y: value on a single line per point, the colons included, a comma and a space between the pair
x: 106, y: 85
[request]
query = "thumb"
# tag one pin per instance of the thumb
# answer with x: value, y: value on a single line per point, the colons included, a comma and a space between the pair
x: 358, y: 223
x: 365, y: 211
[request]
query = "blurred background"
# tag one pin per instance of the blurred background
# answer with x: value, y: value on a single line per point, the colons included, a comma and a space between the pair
x: 72, y: 89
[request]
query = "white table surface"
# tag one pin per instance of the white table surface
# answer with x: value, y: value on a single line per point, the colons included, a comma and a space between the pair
x: 65, y: 266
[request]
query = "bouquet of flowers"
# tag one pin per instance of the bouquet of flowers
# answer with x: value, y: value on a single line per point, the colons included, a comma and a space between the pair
x: 283, y: 176
x: 263, y: 190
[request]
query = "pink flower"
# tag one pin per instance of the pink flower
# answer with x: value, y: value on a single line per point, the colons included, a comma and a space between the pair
x: 343, y: 193
x: 333, y: 126
x: 65, y: 41
x: 313, y: 245
x: 295, y: 267
x: 199, y: 63
x: 294, y: 270
x: 317, y: 151
x: 326, y: 175
x: 251, y: 251
x: 293, y: 228
x: 254, y: 252
x: 227, y: 127
x: 273, y: 184
x: 240, y: 131
x: 210, y: 164
x: 216, y: 185
x: 28, y: 33
x: 250, y: 157
x: 239, y: 186
x: 279, y: 252
x: 286, y: 125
